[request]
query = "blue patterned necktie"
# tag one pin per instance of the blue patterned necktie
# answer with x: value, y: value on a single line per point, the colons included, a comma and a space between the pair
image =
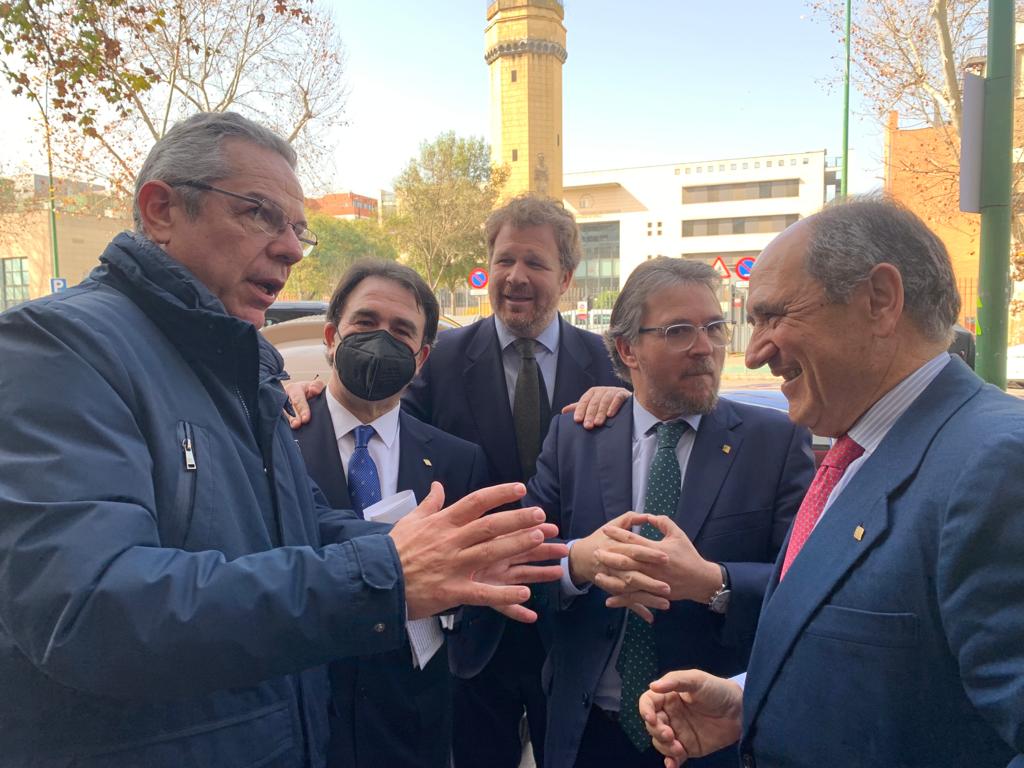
x: 363, y: 480
x: 638, y: 658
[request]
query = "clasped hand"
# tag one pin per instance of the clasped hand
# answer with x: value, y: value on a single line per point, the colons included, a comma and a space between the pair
x: 642, y: 574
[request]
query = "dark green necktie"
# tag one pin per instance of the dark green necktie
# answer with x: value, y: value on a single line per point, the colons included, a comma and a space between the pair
x: 530, y: 404
x: 638, y: 658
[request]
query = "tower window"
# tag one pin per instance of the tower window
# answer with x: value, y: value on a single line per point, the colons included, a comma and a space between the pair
x: 514, y: 74
x: 515, y: 155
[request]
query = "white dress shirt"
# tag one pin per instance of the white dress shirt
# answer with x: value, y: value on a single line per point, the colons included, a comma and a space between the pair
x: 424, y: 634
x: 545, y: 350
x: 645, y: 444
x: 383, y: 445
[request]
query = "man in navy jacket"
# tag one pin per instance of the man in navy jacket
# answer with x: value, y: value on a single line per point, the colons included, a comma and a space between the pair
x: 386, y: 711
x: 740, y: 473
x: 171, y: 583
x: 892, y: 631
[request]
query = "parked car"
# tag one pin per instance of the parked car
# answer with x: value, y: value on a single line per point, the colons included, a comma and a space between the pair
x: 283, y: 311
x: 773, y: 398
x: 301, y: 342
x: 1015, y: 366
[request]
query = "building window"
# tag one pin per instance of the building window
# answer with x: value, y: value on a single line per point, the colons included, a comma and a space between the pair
x: 677, y: 171
x: 807, y: 161
x: 558, y: 139
x: 768, y: 164
x: 741, y: 225
x: 732, y: 166
x: 757, y: 163
x: 513, y: 75
x: 688, y: 171
x: 792, y: 161
x: 515, y: 155
x: 13, y: 282
x: 721, y: 167
x: 745, y: 166
x: 750, y: 190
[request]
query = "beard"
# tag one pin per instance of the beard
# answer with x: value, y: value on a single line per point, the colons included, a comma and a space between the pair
x: 527, y: 324
x: 693, y: 403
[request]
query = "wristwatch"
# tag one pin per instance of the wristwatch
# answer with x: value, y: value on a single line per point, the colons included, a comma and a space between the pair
x: 719, y: 602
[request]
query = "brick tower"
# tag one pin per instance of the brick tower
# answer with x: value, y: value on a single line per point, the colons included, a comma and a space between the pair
x: 525, y: 50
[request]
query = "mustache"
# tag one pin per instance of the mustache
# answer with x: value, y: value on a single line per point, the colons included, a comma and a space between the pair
x: 705, y: 365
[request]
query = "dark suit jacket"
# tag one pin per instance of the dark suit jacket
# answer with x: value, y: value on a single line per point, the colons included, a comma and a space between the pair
x: 461, y: 389
x: 385, y: 712
x: 904, y: 647
x: 736, y: 507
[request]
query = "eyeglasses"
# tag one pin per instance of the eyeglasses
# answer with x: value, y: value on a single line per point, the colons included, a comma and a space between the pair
x: 267, y: 215
x: 682, y: 336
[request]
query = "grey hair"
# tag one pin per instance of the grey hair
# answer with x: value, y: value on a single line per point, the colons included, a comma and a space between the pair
x: 650, y: 276
x: 193, y: 151
x: 849, y: 238
x: 530, y: 210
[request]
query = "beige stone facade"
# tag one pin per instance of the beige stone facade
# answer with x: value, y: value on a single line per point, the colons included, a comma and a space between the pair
x: 80, y: 241
x: 525, y: 50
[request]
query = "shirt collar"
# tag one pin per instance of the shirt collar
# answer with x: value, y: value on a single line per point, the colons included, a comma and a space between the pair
x: 644, y: 421
x: 385, y: 426
x: 548, y: 338
x: 880, y: 417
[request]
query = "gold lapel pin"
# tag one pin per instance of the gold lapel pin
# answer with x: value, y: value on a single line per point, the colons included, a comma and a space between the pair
x: 858, y: 532
x: 726, y: 448
x: 427, y: 462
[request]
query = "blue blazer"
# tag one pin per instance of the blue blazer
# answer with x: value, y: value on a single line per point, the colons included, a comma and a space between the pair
x: 384, y: 712
x: 736, y: 507
x: 461, y: 390
x: 897, y: 637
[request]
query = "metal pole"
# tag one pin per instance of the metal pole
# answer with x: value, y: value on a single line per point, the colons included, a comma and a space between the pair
x: 996, y: 170
x: 53, y: 210
x: 846, y: 110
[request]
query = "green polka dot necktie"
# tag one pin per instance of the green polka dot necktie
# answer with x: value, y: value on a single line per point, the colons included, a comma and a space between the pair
x: 638, y: 659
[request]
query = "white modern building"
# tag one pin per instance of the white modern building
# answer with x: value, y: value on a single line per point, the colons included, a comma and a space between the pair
x: 717, y: 211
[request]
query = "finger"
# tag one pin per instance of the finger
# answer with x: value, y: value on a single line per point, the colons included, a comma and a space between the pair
x: 626, y: 536
x: 604, y: 408
x: 517, y: 613
x: 549, y: 550
x: 679, y: 681
x: 642, y: 611
x: 489, y: 551
x: 477, y: 593
x: 630, y: 599
x: 627, y: 520
x: 532, y: 574
x: 570, y: 408
x: 620, y: 582
x: 665, y: 524
x: 626, y: 557
x: 430, y: 505
x: 471, y: 507
x: 621, y: 396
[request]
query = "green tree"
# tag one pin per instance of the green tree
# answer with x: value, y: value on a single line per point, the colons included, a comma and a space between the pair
x: 444, y: 196
x: 340, y: 244
x: 109, y: 77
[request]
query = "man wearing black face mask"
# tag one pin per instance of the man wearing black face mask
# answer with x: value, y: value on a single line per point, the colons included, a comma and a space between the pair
x: 360, y: 448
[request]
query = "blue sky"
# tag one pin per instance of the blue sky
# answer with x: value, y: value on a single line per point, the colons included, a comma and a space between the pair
x: 646, y: 82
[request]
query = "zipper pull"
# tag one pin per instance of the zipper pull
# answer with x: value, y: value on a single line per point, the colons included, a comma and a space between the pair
x: 190, y: 457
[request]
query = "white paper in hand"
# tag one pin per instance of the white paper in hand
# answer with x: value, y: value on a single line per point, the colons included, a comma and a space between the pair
x: 425, y: 636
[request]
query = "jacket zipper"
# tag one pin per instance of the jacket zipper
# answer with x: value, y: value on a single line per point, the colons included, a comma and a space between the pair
x: 187, y: 449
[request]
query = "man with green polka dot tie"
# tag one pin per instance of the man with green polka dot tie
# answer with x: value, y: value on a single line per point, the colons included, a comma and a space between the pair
x: 680, y: 585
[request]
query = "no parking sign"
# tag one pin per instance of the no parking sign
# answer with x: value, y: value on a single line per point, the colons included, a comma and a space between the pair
x: 743, y: 268
x: 478, y: 278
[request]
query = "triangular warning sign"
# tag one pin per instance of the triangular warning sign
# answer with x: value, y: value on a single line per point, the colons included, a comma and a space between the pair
x: 720, y: 268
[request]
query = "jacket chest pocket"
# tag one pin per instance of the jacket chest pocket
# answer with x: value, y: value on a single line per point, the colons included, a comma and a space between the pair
x: 194, y: 478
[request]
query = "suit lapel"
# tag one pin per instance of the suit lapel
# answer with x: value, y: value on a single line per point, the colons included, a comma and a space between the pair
x: 574, y: 373
x: 614, y: 462
x: 714, y: 448
x: 414, y: 471
x: 319, y: 447
x: 487, y: 397
x: 832, y: 550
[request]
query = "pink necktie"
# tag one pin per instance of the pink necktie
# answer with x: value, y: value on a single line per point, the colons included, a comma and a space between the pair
x: 839, y: 457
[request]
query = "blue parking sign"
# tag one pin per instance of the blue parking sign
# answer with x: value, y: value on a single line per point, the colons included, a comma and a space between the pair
x: 58, y: 284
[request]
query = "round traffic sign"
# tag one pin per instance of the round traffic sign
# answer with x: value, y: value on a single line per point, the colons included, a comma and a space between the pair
x: 478, y: 278
x: 743, y: 268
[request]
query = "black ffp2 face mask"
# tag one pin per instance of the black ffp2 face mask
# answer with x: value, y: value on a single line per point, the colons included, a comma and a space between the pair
x: 374, y: 365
